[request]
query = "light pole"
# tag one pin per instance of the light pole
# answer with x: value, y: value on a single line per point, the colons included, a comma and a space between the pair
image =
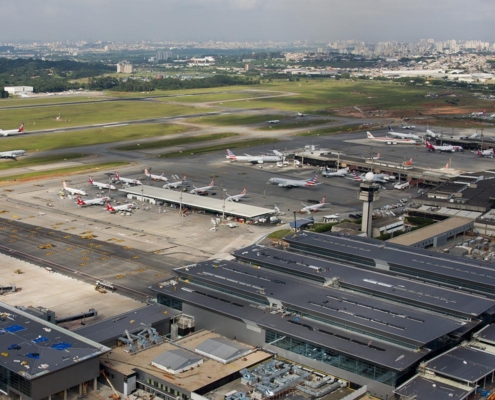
x: 295, y: 223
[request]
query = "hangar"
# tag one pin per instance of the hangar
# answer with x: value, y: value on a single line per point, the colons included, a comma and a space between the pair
x: 217, y: 206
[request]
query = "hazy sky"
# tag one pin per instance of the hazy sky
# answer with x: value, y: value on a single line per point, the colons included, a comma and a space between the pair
x: 284, y: 20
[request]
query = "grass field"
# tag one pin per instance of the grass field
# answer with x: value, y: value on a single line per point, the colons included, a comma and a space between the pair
x: 14, y: 102
x: 64, y: 140
x: 82, y: 114
x: 332, y: 131
x: 210, y: 149
x: 177, y: 142
x: 156, y: 93
x: 296, y: 124
x: 235, y: 119
x: 91, y: 168
x: 31, y: 161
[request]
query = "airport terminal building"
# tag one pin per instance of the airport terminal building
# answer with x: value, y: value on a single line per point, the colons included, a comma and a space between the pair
x: 362, y: 324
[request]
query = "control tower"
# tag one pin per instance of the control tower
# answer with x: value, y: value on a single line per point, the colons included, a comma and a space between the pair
x: 368, y: 193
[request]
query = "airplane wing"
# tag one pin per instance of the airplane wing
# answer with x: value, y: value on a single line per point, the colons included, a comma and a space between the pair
x: 304, y: 205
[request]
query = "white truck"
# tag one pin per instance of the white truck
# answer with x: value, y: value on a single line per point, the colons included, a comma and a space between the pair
x: 401, y: 185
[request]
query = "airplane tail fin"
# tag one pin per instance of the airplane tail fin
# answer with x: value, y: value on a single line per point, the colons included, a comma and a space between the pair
x: 212, y: 183
x: 109, y: 207
x: 80, y: 202
x: 390, y: 129
x: 117, y: 175
x: 313, y: 180
x: 146, y: 172
x: 90, y: 180
x: 323, y: 200
x: 65, y: 185
x: 230, y: 154
x: 21, y: 128
x: 369, y: 135
x: 244, y: 191
x: 378, y: 156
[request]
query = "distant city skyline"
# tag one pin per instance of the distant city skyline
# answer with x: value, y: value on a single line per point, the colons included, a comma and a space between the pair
x: 247, y: 20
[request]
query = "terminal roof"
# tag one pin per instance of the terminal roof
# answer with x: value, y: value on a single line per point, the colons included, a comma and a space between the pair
x: 413, y: 259
x: 463, y: 364
x: 32, y: 347
x: 238, y: 209
x: 487, y: 334
x: 421, y: 388
x: 365, y: 313
x: 324, y: 335
x: 412, y: 291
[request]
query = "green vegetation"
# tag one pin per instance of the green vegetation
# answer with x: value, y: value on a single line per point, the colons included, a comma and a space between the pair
x: 177, y: 142
x: 47, y: 76
x: 134, y: 85
x: 213, y: 97
x: 15, y: 102
x: 64, y: 140
x: 296, y: 124
x: 211, y: 149
x: 30, y: 161
x: 82, y: 114
x: 326, y: 227
x: 235, y: 119
x: 280, y: 234
x: 63, y: 171
x: 332, y: 130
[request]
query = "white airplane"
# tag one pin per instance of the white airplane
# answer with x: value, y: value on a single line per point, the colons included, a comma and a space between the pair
x: 274, y: 121
x: 95, y: 201
x: 473, y: 136
x: 155, y: 177
x: 122, y: 207
x: 13, y: 154
x: 236, y: 197
x: 290, y: 183
x: 403, y: 135
x: 390, y: 140
x: 408, y: 127
x: 299, y: 114
x: 178, y: 184
x: 12, y: 132
x: 432, y: 134
x: 380, y: 178
x: 73, y: 191
x: 478, y: 114
x: 127, y: 181
x: 101, y: 185
x: 373, y: 158
x: 339, y: 172
x: 314, y: 207
x: 486, y: 153
x: 204, y: 189
x: 252, y: 159
x: 446, y: 148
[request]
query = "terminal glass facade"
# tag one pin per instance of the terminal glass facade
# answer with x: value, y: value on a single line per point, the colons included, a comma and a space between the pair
x: 15, y: 381
x: 169, y: 301
x: 332, y: 357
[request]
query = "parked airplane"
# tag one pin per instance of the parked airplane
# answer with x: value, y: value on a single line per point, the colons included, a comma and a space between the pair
x: 340, y: 172
x: 300, y: 114
x: 373, y: 158
x: 204, y: 189
x: 290, y: 183
x: 409, y: 162
x: 314, y: 207
x: 236, y: 197
x: 127, y: 181
x: 176, y: 185
x: 390, y: 140
x: 155, y: 177
x: 446, y: 148
x: 473, y: 136
x: 274, y: 121
x: 432, y: 134
x: 253, y: 159
x: 101, y: 185
x: 486, y: 153
x: 73, y: 191
x: 380, y: 178
x: 12, y: 132
x: 13, y: 154
x: 403, y: 135
x: 122, y: 207
x: 408, y: 127
x: 478, y: 114
x: 95, y: 201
